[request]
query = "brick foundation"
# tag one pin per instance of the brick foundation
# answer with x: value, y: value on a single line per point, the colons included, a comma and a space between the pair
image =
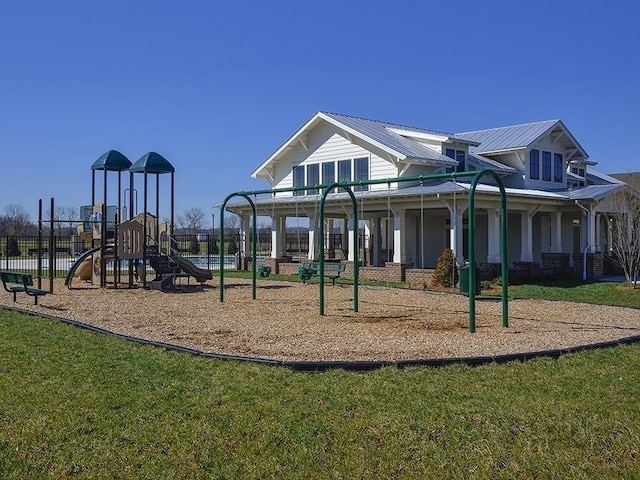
x: 552, y: 265
x: 595, y: 266
x: 418, y: 277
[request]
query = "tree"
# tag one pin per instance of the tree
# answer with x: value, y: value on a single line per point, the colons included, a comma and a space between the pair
x: 13, y: 248
x: 212, y: 246
x: 64, y: 217
x: 16, y: 221
x: 191, y: 221
x: 194, y: 245
x: 446, y: 274
x: 624, y: 229
x: 231, y: 223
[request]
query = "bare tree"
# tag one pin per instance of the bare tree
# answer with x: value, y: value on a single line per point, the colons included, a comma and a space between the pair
x: 64, y: 217
x: 16, y: 221
x: 191, y: 221
x: 624, y: 226
x: 231, y: 222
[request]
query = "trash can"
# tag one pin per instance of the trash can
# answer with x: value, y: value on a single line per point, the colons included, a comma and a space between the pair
x: 464, y: 279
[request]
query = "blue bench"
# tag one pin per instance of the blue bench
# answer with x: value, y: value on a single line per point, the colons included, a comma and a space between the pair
x: 21, y: 282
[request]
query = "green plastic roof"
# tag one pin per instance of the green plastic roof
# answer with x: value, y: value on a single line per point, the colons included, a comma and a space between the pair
x: 113, y: 161
x: 152, y: 162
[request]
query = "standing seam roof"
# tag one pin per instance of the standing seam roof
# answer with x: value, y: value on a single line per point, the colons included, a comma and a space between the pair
x: 506, y: 138
x: 380, y: 132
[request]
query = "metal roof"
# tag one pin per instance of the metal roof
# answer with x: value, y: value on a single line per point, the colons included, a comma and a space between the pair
x: 595, y: 176
x: 152, y: 162
x: 382, y: 133
x: 484, y: 162
x: 593, y: 192
x: 507, y: 138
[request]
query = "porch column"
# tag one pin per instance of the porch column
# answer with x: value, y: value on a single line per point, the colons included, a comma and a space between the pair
x: 344, y: 228
x: 352, y: 229
x: 245, y: 231
x: 278, y: 228
x: 367, y: 242
x: 591, y: 228
x: 526, y: 236
x: 456, y: 233
x: 399, y: 235
x: 493, y: 216
x: 312, y: 237
x: 374, y: 240
x: 556, y: 232
x: 598, y: 232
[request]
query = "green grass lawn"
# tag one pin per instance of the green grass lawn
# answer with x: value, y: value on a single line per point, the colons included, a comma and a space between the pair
x: 603, y: 293
x: 74, y: 404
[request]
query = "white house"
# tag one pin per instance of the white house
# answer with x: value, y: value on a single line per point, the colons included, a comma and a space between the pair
x: 555, y: 210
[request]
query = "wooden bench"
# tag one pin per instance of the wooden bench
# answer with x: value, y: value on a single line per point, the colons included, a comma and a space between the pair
x: 332, y: 270
x: 21, y: 282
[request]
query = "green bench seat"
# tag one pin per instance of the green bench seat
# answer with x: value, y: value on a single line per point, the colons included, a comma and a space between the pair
x: 21, y: 282
x: 332, y: 270
x: 264, y: 271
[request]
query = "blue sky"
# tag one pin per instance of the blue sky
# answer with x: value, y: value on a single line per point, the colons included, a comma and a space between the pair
x: 216, y: 87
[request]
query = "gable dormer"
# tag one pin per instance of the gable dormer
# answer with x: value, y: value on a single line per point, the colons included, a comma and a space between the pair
x: 342, y: 144
x: 539, y: 151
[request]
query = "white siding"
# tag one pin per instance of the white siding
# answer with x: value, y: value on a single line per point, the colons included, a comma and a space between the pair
x: 379, y: 169
x: 326, y: 144
x: 546, y: 144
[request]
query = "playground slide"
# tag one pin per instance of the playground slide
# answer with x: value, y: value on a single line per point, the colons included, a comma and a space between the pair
x: 84, y: 270
x: 200, y: 274
x: 80, y: 265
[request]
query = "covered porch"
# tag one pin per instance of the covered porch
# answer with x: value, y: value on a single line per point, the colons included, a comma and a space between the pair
x: 402, y: 232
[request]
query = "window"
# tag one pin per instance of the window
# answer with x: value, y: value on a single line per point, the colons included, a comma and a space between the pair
x: 328, y: 173
x: 361, y: 173
x: 557, y: 167
x: 313, y: 178
x: 534, y: 164
x: 546, y: 166
x: 578, y: 171
x: 458, y: 155
x: 344, y: 171
x: 298, y: 179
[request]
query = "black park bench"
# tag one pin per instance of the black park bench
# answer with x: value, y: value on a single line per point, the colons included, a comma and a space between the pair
x: 21, y: 282
x: 332, y: 270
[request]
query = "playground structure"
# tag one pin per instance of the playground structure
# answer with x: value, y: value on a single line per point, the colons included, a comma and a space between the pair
x: 135, y: 242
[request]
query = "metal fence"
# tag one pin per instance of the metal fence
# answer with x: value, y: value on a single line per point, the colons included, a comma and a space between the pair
x: 20, y: 252
x: 60, y: 252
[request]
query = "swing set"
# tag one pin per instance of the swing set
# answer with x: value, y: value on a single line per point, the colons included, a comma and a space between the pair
x: 346, y: 186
